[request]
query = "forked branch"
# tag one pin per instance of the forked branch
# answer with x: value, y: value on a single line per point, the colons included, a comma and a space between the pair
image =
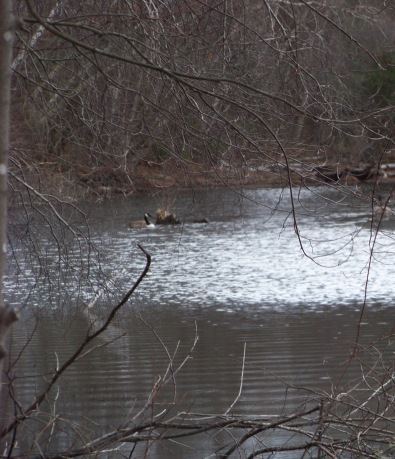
x: 73, y: 358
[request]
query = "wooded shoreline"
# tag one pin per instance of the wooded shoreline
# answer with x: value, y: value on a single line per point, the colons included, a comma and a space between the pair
x: 149, y: 177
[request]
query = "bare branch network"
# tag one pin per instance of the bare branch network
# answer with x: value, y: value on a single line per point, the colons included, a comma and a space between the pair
x: 232, y: 90
x: 352, y: 421
x: 115, y: 97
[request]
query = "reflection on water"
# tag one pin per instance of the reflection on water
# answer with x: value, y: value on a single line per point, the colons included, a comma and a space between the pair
x: 256, y: 258
x: 243, y: 283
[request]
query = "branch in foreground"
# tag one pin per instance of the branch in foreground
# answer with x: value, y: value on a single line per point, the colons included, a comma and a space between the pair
x: 90, y: 337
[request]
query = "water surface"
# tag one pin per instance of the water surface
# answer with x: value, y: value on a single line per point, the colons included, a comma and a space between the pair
x: 268, y: 315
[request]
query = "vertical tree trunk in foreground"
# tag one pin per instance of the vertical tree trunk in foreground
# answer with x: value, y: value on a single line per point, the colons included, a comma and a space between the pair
x: 7, y: 26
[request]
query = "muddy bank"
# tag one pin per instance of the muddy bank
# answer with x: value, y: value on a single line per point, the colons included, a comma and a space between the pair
x: 151, y: 177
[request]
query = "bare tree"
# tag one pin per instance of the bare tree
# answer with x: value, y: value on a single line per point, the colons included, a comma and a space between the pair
x: 226, y: 87
x: 244, y: 92
x: 7, y: 30
x: 238, y: 89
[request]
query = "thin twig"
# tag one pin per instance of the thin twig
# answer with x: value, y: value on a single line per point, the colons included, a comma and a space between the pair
x: 241, y: 381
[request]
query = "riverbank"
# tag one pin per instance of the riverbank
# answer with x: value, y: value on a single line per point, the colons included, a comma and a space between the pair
x: 149, y: 177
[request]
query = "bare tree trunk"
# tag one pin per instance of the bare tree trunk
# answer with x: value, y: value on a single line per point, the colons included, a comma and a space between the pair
x: 7, y: 26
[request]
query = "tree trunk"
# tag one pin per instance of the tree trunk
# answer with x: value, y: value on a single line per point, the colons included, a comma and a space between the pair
x: 7, y: 26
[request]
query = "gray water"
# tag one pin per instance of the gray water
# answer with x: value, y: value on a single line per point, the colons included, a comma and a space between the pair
x: 261, y: 307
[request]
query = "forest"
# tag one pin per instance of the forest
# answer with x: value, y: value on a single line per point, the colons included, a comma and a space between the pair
x: 119, y: 96
x: 113, y: 100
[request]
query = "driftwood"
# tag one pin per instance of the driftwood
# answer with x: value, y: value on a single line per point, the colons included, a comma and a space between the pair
x: 363, y: 173
x: 330, y: 174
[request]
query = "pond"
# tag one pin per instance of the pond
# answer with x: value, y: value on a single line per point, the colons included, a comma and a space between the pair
x: 272, y: 321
